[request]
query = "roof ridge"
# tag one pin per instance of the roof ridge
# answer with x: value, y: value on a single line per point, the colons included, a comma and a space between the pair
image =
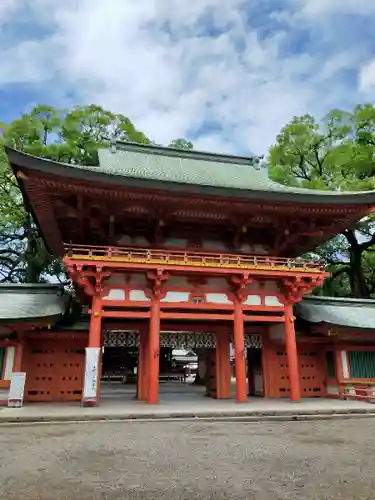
x: 350, y: 300
x: 185, y: 153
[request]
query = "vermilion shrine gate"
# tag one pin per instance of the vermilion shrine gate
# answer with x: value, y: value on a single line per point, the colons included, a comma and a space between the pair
x: 160, y: 240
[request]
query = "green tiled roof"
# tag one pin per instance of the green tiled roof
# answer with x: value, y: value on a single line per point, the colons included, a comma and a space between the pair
x: 154, y: 167
x: 355, y: 313
x: 191, y: 167
x: 184, y: 167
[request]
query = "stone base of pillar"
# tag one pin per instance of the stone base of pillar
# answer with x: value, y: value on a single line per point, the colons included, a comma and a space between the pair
x: 89, y: 402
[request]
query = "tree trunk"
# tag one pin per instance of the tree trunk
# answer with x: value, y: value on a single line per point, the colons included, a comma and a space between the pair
x: 357, y: 279
x: 358, y: 285
x: 32, y: 272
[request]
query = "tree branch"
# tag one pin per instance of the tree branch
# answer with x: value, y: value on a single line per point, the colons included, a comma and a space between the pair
x: 367, y: 244
x: 351, y: 238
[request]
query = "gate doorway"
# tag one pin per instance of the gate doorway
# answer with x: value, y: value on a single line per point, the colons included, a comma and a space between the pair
x: 124, y: 368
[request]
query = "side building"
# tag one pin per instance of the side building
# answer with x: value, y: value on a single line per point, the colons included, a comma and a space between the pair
x: 42, y: 336
x: 181, y: 249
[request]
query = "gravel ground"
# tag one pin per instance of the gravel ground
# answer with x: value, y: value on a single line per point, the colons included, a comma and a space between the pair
x: 177, y: 460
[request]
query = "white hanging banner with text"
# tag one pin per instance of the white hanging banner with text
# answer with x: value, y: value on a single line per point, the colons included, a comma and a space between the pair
x: 90, y: 387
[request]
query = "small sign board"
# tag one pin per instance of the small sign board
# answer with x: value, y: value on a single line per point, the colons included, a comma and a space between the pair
x: 17, y: 389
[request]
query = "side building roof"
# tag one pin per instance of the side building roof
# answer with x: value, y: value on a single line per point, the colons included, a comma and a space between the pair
x: 32, y: 302
x: 352, y: 313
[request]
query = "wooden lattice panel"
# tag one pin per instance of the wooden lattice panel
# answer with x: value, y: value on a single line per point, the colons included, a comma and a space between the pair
x: 54, y: 370
x: 176, y: 340
x: 251, y: 340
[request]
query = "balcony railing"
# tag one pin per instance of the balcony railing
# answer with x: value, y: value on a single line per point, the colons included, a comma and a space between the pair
x: 191, y: 259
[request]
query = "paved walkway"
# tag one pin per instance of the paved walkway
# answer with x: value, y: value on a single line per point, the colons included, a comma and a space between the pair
x: 182, y: 401
x: 180, y: 407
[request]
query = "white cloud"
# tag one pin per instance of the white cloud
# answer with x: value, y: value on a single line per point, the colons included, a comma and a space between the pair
x: 367, y: 77
x: 155, y: 61
x: 316, y: 9
x: 7, y: 7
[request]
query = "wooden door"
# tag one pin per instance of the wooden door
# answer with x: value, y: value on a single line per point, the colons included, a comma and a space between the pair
x: 54, y: 369
x: 211, y: 379
x: 311, y: 369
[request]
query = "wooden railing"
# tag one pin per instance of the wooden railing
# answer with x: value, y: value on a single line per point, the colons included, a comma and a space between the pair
x: 191, y: 259
x: 364, y: 393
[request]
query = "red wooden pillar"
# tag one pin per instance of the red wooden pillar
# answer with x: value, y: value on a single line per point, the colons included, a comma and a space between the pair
x: 153, y: 352
x: 17, y: 364
x: 239, y: 350
x: 142, y: 366
x: 95, y: 330
x: 223, y: 369
x: 292, y: 354
x: 338, y: 369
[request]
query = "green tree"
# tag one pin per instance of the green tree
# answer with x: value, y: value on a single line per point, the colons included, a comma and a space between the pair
x: 336, y: 154
x: 181, y: 144
x: 71, y: 136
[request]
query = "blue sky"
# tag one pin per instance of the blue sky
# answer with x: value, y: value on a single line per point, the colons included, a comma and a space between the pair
x: 226, y: 74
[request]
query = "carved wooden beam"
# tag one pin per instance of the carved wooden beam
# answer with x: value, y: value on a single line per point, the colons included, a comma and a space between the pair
x: 156, y: 280
x: 240, y: 284
x: 92, y: 281
x: 297, y: 287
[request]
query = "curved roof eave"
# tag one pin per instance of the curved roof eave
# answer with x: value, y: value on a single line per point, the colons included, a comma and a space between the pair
x: 351, y: 313
x: 265, y: 189
x: 27, y: 302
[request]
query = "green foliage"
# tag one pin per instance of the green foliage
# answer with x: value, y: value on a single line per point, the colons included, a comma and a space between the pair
x: 72, y: 136
x: 181, y: 144
x: 336, y: 154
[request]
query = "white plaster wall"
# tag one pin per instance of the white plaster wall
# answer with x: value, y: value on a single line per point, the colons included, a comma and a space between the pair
x: 253, y: 300
x: 115, y: 294
x: 138, y: 295
x: 176, y: 297
x: 345, y: 365
x: 9, y: 362
x: 272, y: 300
x: 217, y: 298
